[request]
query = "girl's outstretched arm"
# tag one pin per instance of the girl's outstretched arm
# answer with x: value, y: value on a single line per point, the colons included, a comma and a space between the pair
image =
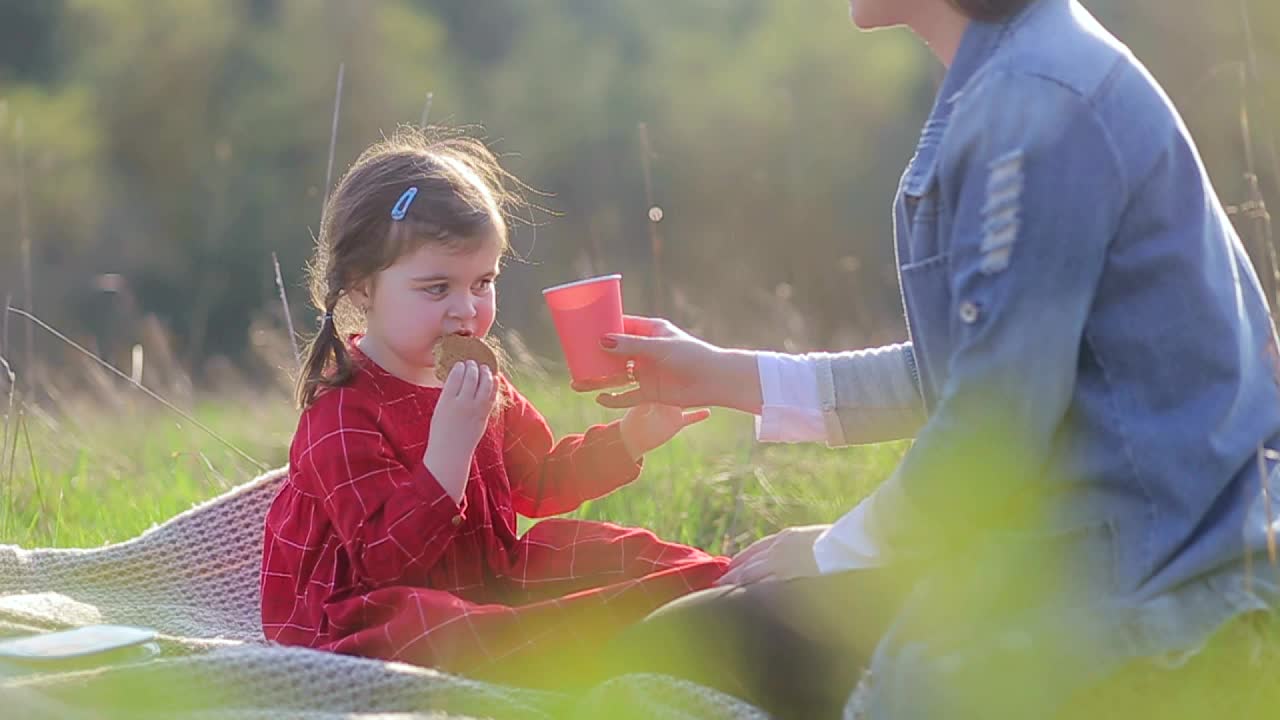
x: 549, y: 477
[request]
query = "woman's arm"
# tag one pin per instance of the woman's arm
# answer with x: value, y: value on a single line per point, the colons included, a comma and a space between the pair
x: 675, y: 368
x: 857, y: 397
x: 849, y: 398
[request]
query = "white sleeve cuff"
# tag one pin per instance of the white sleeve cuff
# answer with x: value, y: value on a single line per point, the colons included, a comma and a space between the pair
x: 848, y: 544
x: 791, y: 410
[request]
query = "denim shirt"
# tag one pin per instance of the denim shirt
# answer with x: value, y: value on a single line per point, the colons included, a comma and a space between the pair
x: 1092, y: 344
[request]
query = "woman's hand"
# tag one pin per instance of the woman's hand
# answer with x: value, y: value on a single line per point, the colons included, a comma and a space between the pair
x: 459, y: 421
x: 648, y: 426
x: 675, y: 368
x: 784, y: 555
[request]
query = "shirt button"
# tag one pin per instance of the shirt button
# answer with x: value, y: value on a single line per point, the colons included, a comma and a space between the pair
x: 968, y: 312
x: 457, y: 520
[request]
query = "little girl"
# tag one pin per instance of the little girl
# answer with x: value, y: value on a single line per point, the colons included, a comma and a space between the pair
x: 395, y: 535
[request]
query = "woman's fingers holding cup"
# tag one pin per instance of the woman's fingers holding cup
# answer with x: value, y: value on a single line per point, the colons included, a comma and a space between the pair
x: 646, y: 326
x: 623, y: 400
x: 634, y: 346
x: 600, y: 383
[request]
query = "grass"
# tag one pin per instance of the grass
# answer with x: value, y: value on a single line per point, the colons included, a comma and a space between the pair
x: 104, y: 475
x: 97, y: 475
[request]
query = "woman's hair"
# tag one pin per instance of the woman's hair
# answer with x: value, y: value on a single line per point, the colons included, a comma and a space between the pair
x: 990, y: 9
x: 462, y: 199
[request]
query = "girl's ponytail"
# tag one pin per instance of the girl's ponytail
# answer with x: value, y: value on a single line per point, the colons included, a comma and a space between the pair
x: 328, y: 364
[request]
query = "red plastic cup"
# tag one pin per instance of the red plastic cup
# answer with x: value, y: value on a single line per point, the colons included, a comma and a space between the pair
x: 583, y: 312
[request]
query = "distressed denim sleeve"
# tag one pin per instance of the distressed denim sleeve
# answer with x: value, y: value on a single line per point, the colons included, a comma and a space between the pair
x: 1036, y: 189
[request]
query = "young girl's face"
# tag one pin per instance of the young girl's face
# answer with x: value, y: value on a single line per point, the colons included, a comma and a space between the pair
x: 423, y: 296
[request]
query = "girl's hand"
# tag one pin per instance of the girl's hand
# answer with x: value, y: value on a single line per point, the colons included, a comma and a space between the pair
x: 673, y: 367
x: 781, y: 556
x: 648, y: 426
x: 466, y: 401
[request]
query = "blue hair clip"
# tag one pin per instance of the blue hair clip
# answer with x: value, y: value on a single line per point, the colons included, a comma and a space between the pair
x: 402, y: 205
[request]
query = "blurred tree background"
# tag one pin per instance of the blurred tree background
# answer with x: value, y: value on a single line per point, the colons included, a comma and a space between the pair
x: 154, y: 154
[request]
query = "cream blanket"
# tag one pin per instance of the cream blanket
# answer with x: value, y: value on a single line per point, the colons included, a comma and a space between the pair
x: 195, y: 580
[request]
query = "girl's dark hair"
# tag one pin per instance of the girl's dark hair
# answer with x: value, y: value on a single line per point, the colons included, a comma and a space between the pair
x: 990, y: 9
x: 462, y: 200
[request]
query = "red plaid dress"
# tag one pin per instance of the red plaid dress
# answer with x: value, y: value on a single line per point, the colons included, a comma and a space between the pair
x: 365, y: 553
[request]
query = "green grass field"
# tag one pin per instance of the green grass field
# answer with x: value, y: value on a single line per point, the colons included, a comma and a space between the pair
x: 104, y: 474
x: 104, y: 471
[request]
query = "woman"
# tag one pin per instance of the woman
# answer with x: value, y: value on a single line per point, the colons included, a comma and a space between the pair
x: 1091, y: 382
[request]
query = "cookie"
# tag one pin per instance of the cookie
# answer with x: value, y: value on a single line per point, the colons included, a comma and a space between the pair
x: 453, y: 349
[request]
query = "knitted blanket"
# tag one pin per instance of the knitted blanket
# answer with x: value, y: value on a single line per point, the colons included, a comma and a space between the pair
x: 194, y: 579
